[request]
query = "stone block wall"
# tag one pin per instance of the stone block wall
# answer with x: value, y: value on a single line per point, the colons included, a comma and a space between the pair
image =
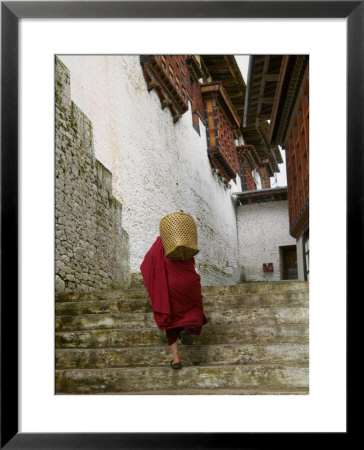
x: 91, y: 247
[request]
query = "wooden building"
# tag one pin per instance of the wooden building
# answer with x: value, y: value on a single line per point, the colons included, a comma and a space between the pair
x: 217, y: 92
x: 237, y: 135
x: 278, y: 91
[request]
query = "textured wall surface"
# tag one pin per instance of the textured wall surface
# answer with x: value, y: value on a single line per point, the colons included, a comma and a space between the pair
x: 91, y: 246
x: 262, y: 229
x: 300, y: 259
x: 157, y: 167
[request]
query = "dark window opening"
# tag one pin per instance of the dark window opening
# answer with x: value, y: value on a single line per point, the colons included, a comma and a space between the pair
x: 288, y: 256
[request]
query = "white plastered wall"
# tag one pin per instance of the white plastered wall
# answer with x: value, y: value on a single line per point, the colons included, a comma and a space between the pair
x: 262, y: 229
x: 157, y: 167
x: 300, y: 259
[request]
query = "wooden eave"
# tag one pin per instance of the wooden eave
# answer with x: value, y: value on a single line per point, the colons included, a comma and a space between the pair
x: 224, y: 69
x: 301, y: 222
x: 273, y: 152
x: 158, y: 79
x: 194, y: 67
x: 264, y: 71
x: 256, y: 135
x: 248, y: 152
x: 262, y: 195
x: 277, y: 154
x: 294, y: 68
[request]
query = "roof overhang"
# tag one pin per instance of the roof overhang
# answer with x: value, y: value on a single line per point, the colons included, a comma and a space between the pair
x: 263, y: 77
x: 224, y: 69
x: 261, y: 195
x: 293, y: 70
x: 257, y: 135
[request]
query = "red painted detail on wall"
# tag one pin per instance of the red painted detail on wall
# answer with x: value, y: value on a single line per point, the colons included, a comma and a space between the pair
x: 268, y: 267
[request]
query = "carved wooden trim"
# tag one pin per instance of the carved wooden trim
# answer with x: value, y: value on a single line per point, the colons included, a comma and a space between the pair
x: 168, y: 75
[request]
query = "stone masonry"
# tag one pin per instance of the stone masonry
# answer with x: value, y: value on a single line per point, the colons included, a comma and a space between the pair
x: 91, y: 248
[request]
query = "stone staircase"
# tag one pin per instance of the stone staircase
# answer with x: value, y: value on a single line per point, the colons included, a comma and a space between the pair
x: 256, y: 342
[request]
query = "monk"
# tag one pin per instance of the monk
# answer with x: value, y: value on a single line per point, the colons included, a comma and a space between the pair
x: 174, y: 290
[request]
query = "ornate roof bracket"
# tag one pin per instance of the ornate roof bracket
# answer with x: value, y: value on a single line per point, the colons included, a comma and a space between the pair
x: 194, y: 67
x: 223, y: 165
x: 249, y: 153
x: 267, y: 162
x: 168, y: 76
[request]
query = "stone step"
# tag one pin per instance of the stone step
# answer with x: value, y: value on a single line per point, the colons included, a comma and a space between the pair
x: 191, y: 355
x: 227, y: 391
x: 211, y: 334
x: 263, y: 287
x: 119, y: 380
x: 141, y: 292
x: 212, y: 302
x: 102, y: 295
x: 247, y: 315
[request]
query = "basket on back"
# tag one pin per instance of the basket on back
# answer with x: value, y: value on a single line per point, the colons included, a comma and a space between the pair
x: 178, y: 232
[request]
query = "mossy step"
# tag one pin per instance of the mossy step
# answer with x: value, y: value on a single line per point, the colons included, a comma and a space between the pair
x: 212, y: 302
x: 226, y: 391
x: 89, y: 381
x: 247, y: 315
x: 102, y: 295
x: 247, y: 288
x: 191, y: 355
x: 218, y: 334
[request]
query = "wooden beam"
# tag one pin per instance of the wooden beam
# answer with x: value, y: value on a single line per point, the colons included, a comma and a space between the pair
x: 230, y: 82
x: 271, y: 77
x: 239, y: 94
x: 267, y: 100
x: 273, y: 119
x: 262, y: 87
x: 216, y: 66
x: 233, y: 74
x: 264, y: 116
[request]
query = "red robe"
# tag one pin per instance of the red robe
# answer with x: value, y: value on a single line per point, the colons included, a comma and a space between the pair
x: 174, y: 289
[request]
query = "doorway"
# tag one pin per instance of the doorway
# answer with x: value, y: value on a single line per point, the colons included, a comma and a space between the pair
x: 289, y: 269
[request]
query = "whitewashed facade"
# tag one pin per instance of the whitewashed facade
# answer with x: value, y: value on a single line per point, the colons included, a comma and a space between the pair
x: 262, y: 229
x: 157, y: 167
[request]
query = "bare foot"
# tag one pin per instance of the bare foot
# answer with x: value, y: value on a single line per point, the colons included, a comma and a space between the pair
x: 174, y: 350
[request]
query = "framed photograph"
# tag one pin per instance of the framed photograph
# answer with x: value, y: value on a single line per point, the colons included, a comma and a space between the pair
x: 40, y: 42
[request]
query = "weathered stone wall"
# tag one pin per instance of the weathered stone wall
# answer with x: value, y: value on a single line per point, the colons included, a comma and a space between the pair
x: 91, y: 248
x: 158, y: 167
x: 262, y: 229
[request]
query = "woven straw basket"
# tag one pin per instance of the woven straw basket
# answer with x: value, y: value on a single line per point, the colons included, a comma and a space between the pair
x: 179, y: 236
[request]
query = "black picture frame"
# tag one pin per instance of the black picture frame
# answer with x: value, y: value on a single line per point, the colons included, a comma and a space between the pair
x: 11, y: 12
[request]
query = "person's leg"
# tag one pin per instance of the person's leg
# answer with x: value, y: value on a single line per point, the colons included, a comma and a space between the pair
x: 174, y: 350
x: 172, y: 337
